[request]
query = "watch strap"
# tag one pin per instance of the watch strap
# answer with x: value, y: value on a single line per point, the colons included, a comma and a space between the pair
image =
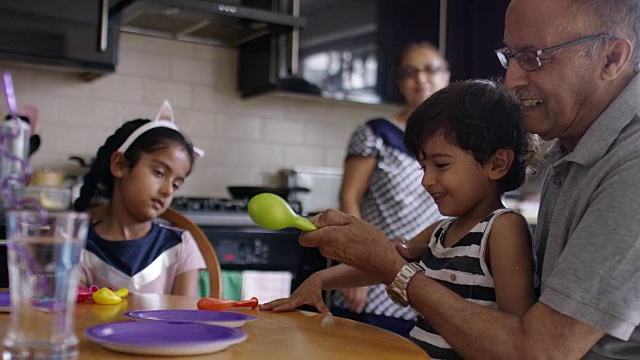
x: 397, y: 290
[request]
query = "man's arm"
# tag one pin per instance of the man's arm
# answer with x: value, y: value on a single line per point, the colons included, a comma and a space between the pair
x: 474, y: 331
x: 477, y: 332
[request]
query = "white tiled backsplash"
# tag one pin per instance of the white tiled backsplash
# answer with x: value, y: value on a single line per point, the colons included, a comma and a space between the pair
x: 246, y: 140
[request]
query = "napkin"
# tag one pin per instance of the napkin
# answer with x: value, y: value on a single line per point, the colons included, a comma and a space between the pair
x: 266, y: 285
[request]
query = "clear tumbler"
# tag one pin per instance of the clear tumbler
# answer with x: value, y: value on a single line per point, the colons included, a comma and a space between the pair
x: 43, y: 257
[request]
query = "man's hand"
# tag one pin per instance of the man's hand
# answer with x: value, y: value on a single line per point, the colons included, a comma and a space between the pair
x: 409, y: 250
x: 354, y: 242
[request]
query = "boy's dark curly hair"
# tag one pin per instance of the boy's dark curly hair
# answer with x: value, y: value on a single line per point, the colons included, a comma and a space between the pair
x: 99, y: 178
x: 480, y: 117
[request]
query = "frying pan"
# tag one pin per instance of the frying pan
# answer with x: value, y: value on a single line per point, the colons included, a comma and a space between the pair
x: 247, y: 192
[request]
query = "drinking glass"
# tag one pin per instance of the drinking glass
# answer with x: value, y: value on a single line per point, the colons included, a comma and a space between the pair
x: 43, y: 257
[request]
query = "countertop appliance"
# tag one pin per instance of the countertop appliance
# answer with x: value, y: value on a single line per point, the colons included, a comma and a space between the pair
x: 323, y: 182
x: 242, y: 245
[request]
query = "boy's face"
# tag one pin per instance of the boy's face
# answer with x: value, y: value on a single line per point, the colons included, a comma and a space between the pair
x: 148, y: 188
x: 457, y: 183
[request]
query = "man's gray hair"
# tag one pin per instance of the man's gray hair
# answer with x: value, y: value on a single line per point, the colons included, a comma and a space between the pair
x: 619, y: 18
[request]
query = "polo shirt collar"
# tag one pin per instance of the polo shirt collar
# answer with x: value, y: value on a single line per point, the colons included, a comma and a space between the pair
x: 604, y: 131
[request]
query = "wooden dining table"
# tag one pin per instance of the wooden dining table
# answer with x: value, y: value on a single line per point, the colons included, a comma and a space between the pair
x: 281, y: 336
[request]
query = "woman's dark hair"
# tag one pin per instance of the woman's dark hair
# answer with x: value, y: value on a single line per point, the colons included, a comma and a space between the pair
x: 478, y: 116
x: 100, y: 180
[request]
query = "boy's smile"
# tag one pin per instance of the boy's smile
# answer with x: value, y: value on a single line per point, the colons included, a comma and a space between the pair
x: 454, y: 179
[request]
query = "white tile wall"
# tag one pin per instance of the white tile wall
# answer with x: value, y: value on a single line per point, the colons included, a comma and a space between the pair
x: 246, y: 140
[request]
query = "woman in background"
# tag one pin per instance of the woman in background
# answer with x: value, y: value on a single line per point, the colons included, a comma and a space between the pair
x: 381, y: 184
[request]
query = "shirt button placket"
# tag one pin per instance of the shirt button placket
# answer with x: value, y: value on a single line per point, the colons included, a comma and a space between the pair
x: 557, y: 183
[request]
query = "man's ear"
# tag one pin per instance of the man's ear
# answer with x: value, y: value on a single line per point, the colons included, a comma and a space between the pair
x: 617, y: 58
x: 118, y: 164
x: 500, y: 163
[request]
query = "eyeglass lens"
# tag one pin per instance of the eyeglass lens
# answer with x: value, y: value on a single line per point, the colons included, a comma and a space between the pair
x: 412, y: 72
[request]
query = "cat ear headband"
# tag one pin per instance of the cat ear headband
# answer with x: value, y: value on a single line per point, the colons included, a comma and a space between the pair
x: 163, y: 119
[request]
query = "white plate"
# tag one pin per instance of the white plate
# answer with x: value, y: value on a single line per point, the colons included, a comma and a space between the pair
x: 163, y: 338
x: 222, y: 318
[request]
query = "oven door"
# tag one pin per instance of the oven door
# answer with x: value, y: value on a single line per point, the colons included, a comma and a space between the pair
x: 265, y: 255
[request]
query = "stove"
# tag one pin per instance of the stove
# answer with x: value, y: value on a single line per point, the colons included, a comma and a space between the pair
x: 219, y: 211
x: 242, y: 245
x: 220, y: 205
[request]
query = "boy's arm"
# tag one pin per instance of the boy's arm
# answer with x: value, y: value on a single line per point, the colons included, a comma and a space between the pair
x: 310, y: 291
x: 510, y: 259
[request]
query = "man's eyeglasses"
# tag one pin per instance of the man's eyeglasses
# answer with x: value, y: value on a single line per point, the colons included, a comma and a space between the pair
x: 413, y: 72
x: 529, y: 60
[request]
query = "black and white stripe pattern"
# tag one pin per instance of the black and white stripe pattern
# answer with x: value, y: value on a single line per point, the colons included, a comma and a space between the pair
x: 462, y: 269
x: 395, y: 202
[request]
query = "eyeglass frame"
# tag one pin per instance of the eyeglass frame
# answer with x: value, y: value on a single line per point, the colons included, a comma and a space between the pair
x: 403, y: 73
x: 504, y: 54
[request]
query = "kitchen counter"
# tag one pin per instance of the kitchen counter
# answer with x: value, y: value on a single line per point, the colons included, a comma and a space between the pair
x: 219, y: 218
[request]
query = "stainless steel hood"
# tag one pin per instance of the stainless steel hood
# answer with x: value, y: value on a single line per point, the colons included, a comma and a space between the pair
x: 223, y: 23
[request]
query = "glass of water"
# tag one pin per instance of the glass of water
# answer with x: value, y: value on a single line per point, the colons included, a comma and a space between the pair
x: 43, y: 257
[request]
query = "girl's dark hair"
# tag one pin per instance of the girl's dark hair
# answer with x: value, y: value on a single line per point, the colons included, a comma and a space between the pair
x: 480, y: 117
x: 100, y: 180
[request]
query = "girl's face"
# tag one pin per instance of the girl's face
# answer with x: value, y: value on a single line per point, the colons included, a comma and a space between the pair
x: 422, y: 72
x: 457, y: 183
x: 148, y: 188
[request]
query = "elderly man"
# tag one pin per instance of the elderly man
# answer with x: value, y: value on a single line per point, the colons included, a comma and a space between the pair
x: 573, y: 65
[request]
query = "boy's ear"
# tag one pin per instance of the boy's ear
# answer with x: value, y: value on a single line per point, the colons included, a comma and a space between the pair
x: 118, y: 164
x: 500, y: 163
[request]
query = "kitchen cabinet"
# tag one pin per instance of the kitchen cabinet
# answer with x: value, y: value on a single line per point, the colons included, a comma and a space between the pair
x: 77, y: 34
x: 349, y: 49
x: 475, y: 30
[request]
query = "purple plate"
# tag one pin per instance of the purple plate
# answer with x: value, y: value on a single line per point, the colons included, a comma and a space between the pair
x: 223, y: 318
x: 5, y: 302
x: 162, y: 338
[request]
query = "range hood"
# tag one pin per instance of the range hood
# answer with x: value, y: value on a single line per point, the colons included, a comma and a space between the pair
x: 223, y: 23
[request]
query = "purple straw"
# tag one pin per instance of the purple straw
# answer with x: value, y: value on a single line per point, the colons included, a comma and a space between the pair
x: 12, y: 104
x: 25, y: 169
x: 10, y: 94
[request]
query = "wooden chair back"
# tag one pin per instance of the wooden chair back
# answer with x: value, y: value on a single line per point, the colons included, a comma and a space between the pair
x: 178, y: 220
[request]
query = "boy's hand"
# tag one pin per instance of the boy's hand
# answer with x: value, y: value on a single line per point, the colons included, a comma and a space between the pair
x: 308, y: 293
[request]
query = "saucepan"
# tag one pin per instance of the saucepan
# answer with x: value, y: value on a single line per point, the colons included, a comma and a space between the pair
x: 247, y: 192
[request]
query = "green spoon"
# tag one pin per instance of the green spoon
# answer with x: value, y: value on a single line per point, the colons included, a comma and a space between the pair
x: 271, y: 212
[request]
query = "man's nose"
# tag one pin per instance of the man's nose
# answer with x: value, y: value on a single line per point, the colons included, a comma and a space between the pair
x: 515, y: 77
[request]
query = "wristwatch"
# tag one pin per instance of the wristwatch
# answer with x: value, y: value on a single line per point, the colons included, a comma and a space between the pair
x: 397, y: 290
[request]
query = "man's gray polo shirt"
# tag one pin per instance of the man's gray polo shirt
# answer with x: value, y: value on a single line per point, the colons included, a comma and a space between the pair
x: 588, y: 232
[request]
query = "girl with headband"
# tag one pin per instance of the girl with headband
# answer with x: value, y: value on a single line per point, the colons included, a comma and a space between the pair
x: 138, y: 169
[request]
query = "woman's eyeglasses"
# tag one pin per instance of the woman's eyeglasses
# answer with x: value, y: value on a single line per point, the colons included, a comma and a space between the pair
x: 411, y: 72
x: 529, y: 60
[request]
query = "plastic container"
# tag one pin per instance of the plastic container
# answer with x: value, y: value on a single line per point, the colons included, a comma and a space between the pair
x: 50, y: 197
